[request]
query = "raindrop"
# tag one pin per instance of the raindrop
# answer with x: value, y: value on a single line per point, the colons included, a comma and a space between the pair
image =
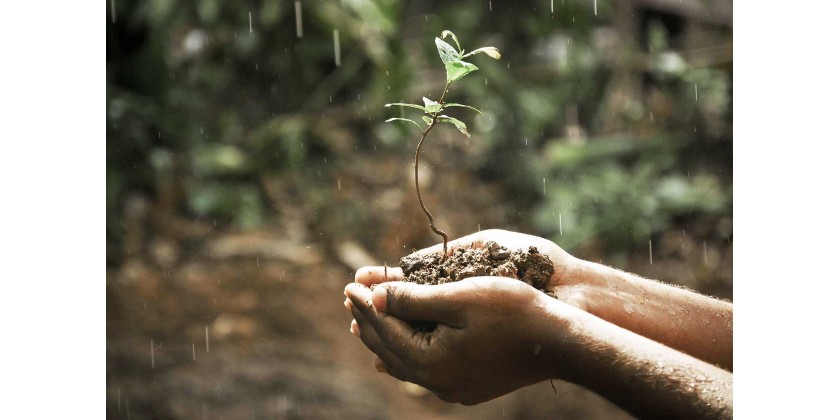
x: 560, y: 221
x: 695, y: 92
x: 207, y: 338
x: 543, y: 185
x: 479, y: 227
x: 650, y: 113
x: 337, y: 45
x: 650, y: 249
x: 491, y: 5
x: 339, y: 184
x: 526, y: 141
x: 596, y: 7
x: 250, y: 24
x: 258, y: 262
x: 119, y: 403
x: 330, y: 102
x: 152, y: 346
x: 298, y: 19
x: 193, y: 345
x: 705, y: 255
x: 113, y: 13
x: 552, y: 6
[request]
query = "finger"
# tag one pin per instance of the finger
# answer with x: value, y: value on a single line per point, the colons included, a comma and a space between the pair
x: 371, y: 275
x: 360, y: 298
x: 354, y: 328
x: 397, y: 334
x: 389, y: 361
x: 420, y: 302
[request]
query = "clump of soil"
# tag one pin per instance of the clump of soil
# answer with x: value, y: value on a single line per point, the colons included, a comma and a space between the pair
x: 531, y: 266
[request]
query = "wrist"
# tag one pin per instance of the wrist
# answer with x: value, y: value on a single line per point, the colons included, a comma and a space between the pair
x: 599, y: 288
x: 563, y: 339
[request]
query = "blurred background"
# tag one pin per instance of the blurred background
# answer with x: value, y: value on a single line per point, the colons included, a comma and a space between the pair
x: 250, y: 172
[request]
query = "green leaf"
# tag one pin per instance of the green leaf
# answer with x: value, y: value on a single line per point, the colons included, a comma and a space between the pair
x: 491, y: 51
x: 428, y: 120
x: 432, y: 107
x: 462, y: 106
x: 456, y: 122
x: 447, y: 52
x: 454, y: 38
x: 455, y: 70
x: 404, y: 119
x: 408, y: 105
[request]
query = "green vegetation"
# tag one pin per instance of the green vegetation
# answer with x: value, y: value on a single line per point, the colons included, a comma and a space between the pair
x: 624, y: 133
x: 456, y: 69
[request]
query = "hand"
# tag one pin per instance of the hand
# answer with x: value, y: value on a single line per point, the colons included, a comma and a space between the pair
x: 490, y: 339
x: 566, y: 283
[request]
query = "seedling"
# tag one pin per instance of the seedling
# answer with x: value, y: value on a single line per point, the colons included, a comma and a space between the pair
x: 456, y: 69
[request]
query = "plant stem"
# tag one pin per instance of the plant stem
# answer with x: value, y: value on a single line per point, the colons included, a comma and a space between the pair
x: 417, y: 178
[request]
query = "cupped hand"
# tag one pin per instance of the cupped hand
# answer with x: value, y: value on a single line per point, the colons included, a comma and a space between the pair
x: 491, y: 337
x: 566, y: 283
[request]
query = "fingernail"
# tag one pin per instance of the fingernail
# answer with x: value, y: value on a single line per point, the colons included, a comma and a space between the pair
x: 378, y: 298
x: 354, y: 328
x: 348, y: 304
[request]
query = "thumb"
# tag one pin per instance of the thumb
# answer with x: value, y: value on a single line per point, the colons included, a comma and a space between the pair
x: 418, y: 302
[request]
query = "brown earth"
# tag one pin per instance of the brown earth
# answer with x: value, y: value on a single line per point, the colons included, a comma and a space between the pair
x: 207, y: 321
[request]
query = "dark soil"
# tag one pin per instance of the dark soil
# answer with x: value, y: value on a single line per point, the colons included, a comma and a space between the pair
x: 531, y: 266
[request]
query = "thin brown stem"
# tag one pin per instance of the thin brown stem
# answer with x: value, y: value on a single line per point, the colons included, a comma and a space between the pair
x: 417, y: 178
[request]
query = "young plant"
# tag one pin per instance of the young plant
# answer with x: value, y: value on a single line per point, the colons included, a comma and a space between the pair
x: 456, y: 69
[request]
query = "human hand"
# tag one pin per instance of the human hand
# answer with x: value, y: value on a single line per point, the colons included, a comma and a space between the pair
x: 567, y: 283
x: 492, y: 335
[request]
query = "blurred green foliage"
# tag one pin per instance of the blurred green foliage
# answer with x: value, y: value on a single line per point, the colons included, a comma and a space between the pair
x: 621, y: 132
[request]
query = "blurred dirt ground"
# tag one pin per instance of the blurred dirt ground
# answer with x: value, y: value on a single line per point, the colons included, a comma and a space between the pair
x: 209, y: 322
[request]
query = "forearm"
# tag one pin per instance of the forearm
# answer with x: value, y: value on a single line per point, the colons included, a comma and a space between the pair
x: 695, y: 324
x: 646, y: 378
